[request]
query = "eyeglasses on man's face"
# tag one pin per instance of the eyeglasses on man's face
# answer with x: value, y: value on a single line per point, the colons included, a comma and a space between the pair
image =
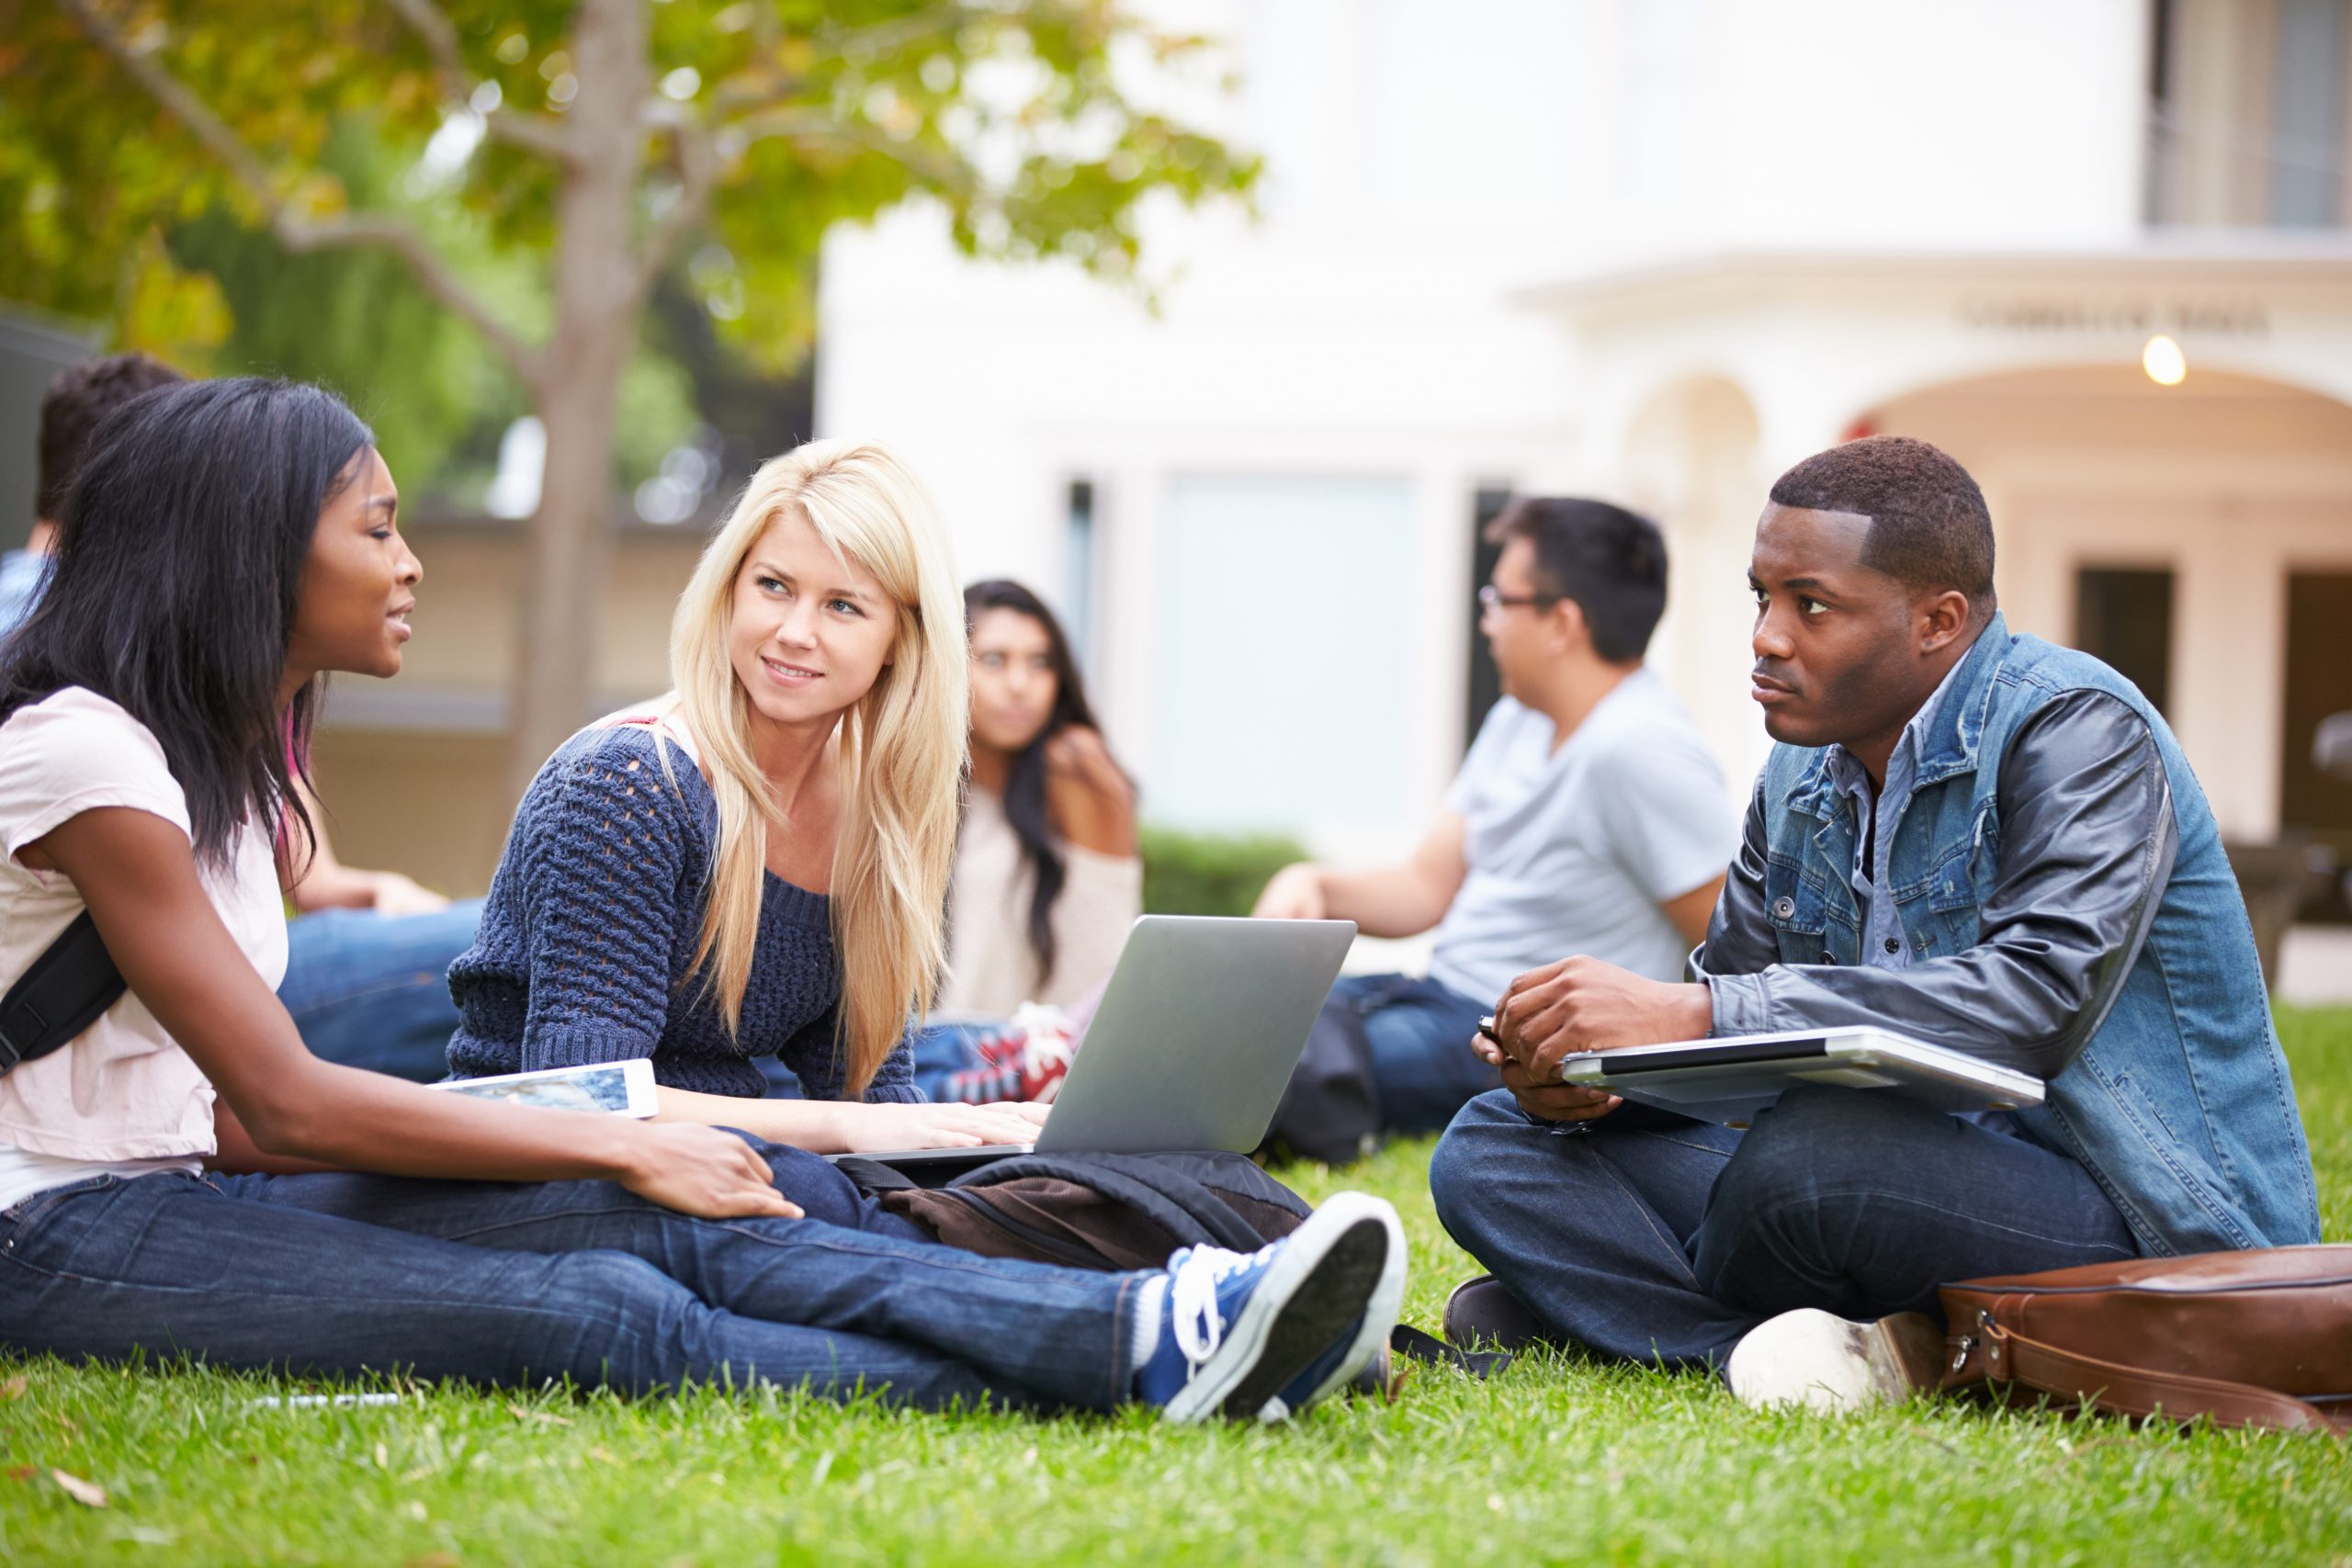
x: 1493, y: 598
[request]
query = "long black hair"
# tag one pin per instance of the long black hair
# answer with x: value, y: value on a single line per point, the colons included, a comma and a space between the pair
x: 179, y: 553
x: 1024, y: 781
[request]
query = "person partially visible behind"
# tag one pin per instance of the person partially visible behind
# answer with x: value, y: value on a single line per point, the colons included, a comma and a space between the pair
x: 366, y: 972
x: 79, y: 397
x: 1589, y: 818
x: 365, y: 967
x: 1964, y: 835
x: 1048, y: 878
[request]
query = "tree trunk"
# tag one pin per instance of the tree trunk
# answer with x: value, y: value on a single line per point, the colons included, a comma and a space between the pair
x: 598, y: 305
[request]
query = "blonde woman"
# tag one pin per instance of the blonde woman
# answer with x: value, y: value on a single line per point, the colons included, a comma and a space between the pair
x: 757, y: 864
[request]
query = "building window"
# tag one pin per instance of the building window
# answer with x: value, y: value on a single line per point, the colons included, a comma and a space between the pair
x: 1078, y: 570
x: 2246, y: 124
x: 2123, y: 617
x: 1485, y: 680
x: 1283, y: 660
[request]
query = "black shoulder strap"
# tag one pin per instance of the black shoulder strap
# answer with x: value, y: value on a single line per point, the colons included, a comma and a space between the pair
x: 60, y: 995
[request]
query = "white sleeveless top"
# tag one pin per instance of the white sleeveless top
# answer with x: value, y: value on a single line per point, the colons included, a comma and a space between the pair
x: 121, y: 1098
x: 991, y: 970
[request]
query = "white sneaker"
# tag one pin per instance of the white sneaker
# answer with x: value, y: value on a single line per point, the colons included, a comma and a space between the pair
x: 1812, y: 1359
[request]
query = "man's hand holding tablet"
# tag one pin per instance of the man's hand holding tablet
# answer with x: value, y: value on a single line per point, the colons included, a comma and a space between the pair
x: 1579, y: 1005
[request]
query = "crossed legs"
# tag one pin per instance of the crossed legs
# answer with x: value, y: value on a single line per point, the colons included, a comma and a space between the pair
x: 1647, y: 1237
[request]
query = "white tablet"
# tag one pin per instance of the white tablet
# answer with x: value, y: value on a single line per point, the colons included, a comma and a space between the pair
x: 619, y: 1089
x: 1729, y: 1080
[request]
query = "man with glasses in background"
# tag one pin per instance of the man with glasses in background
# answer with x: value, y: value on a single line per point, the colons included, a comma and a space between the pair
x: 1589, y: 818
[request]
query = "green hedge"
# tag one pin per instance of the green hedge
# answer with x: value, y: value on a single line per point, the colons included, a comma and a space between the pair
x: 1210, y: 873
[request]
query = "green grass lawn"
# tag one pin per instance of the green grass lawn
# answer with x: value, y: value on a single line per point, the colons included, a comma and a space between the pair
x: 1553, y: 1460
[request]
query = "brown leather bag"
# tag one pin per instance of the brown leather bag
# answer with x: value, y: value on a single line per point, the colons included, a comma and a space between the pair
x: 2255, y: 1339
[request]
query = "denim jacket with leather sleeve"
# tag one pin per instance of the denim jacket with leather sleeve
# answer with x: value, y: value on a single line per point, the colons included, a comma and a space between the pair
x: 2060, y: 883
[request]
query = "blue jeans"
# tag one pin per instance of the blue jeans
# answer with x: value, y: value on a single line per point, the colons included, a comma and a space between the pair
x: 1647, y: 1237
x: 371, y: 990
x: 511, y: 1284
x: 561, y: 1216
x: 1418, y: 1035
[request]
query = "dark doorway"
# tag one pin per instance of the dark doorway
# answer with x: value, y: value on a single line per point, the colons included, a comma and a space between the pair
x: 1486, y: 686
x: 2123, y: 617
x: 2319, y: 682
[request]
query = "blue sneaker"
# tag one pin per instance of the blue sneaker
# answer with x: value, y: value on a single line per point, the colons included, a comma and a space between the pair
x: 1238, y: 1329
x: 1339, y: 1364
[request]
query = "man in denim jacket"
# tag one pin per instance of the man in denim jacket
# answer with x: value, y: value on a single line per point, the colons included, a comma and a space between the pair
x: 1964, y: 835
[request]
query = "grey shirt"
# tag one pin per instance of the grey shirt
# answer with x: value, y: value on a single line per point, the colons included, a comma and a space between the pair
x: 1570, y: 847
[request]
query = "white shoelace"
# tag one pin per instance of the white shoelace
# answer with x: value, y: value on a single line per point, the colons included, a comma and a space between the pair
x: 1191, y: 1298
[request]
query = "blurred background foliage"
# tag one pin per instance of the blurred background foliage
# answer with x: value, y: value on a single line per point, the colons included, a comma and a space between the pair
x: 1011, y: 116
x: 218, y: 297
x: 1210, y: 873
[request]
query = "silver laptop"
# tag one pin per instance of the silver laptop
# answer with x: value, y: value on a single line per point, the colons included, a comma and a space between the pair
x: 1730, y: 1079
x: 1196, y: 1036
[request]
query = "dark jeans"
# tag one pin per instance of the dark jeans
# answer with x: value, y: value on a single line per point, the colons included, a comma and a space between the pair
x: 1651, y: 1237
x: 564, y: 1216
x: 511, y: 1283
x: 1418, y: 1035
x: 371, y: 990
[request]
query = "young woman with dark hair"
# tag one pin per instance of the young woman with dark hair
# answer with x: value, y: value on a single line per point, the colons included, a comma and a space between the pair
x: 228, y: 543
x: 1047, y: 880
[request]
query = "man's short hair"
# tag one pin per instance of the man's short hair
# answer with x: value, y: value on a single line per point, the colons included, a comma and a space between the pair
x: 1609, y: 560
x: 79, y: 398
x: 1930, y: 527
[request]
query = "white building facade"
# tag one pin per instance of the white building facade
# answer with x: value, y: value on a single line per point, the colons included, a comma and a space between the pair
x: 1657, y: 251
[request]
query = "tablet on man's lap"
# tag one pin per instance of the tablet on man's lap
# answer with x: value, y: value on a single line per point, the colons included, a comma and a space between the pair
x: 1729, y: 1080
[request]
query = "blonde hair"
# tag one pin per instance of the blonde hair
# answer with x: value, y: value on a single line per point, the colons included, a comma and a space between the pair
x: 901, y: 745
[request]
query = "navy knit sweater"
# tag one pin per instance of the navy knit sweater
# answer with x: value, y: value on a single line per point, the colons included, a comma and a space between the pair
x: 584, y: 944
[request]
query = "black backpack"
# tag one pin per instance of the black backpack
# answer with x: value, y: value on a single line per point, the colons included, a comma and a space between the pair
x: 1331, y: 1109
x: 1095, y: 1211
x: 1113, y: 1211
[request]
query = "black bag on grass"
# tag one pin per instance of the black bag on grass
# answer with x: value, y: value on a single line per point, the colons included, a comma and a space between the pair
x: 1330, y: 1110
x: 1106, y: 1211
x: 1115, y: 1211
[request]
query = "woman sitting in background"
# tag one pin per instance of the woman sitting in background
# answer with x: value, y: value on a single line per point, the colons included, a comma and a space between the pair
x: 754, y: 865
x: 1046, y: 879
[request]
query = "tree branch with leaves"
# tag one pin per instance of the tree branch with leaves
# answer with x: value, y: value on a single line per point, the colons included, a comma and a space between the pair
x: 616, y: 137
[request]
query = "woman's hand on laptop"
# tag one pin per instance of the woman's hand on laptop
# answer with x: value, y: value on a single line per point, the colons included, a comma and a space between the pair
x: 1582, y: 1004
x: 886, y: 1129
